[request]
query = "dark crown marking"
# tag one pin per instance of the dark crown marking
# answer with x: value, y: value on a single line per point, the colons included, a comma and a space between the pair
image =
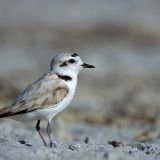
x: 74, y: 55
x: 64, y: 77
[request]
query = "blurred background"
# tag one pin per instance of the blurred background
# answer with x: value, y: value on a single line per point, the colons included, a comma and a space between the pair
x: 117, y: 100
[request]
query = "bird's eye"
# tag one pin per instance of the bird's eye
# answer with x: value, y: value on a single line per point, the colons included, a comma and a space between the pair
x: 71, y: 61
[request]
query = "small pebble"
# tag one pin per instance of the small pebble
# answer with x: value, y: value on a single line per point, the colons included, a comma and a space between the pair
x: 22, y: 141
x: 140, y: 147
x: 86, y: 140
x: 147, y: 152
x: 29, y: 145
x: 106, y: 155
x: 115, y: 143
x: 71, y: 147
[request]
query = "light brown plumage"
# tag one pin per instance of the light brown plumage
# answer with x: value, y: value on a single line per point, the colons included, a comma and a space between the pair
x: 45, y: 92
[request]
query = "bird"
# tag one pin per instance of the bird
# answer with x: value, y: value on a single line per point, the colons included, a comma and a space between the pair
x: 49, y: 95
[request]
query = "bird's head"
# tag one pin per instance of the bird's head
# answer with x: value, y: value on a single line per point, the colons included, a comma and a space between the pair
x: 68, y: 63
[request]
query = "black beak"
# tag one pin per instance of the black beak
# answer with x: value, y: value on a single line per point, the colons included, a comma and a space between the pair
x: 88, y: 65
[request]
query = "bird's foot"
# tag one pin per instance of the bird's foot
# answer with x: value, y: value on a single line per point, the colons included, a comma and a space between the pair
x: 53, y: 144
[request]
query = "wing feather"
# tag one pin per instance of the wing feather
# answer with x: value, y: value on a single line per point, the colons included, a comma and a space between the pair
x: 46, y: 91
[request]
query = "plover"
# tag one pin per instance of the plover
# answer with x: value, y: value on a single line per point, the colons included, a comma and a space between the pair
x: 49, y: 95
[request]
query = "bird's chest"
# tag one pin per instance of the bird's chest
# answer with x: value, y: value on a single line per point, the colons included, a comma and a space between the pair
x: 55, y: 109
x: 71, y: 92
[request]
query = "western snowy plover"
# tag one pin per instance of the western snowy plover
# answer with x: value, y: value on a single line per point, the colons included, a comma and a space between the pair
x: 50, y: 94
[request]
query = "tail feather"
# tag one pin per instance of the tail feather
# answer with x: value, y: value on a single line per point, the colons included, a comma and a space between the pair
x: 6, y: 111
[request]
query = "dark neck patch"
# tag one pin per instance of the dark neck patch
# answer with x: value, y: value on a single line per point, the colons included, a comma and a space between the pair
x: 64, y: 77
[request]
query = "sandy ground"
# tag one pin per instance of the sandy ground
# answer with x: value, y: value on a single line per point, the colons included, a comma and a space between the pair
x: 77, y: 150
x: 90, y: 142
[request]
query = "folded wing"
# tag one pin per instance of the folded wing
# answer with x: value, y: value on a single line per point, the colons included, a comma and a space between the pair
x: 45, y: 92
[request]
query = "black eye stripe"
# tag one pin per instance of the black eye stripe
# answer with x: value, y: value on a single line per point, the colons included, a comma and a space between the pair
x: 71, y: 61
x: 63, y: 64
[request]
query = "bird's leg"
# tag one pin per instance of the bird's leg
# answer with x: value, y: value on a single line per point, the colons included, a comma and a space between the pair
x: 39, y: 131
x: 49, y: 134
